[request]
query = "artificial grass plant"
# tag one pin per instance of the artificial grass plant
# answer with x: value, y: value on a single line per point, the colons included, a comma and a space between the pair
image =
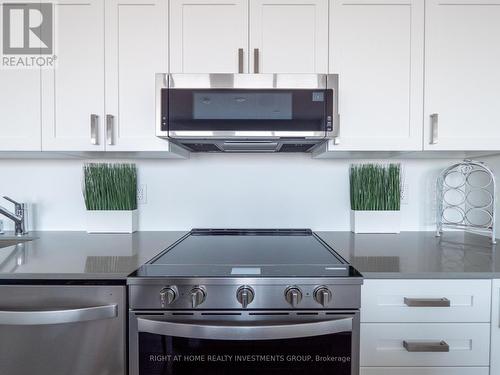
x: 375, y: 187
x: 110, y: 187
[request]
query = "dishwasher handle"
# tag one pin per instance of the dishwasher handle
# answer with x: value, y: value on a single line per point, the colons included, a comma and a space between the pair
x: 45, y: 317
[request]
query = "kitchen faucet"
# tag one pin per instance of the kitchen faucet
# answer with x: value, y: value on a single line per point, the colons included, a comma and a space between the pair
x: 18, y: 217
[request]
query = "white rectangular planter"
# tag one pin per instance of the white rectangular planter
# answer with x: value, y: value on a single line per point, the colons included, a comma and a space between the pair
x: 112, y: 221
x: 375, y: 221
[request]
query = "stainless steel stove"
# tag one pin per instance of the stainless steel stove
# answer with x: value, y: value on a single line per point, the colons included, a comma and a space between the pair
x: 221, y: 301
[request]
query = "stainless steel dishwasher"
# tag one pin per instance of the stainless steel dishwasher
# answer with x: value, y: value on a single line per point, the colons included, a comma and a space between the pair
x: 62, y: 330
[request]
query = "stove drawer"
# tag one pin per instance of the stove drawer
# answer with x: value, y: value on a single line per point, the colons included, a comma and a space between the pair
x: 424, y: 371
x: 425, y: 301
x: 383, y: 344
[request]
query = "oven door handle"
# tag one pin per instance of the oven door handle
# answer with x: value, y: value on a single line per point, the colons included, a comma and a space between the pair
x: 238, y: 331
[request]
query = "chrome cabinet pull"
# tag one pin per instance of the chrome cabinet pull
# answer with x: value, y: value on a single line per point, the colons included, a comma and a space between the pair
x: 427, y: 302
x: 58, y: 316
x: 434, y: 128
x: 256, y: 60
x: 240, y: 60
x: 109, y: 129
x: 426, y: 346
x: 248, y: 331
x: 94, y: 126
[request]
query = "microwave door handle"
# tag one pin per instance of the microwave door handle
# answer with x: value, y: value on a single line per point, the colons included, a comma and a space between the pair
x: 235, y: 331
x: 44, y: 317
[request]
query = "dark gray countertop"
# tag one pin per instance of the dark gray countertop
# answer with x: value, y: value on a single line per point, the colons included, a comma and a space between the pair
x: 82, y: 256
x: 417, y: 255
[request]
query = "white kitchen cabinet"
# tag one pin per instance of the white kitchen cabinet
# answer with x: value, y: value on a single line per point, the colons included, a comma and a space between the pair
x: 208, y: 36
x: 462, y: 75
x: 377, y: 48
x: 495, y: 329
x: 394, y: 311
x: 382, y: 344
x: 73, y: 90
x: 20, y: 107
x: 20, y: 113
x: 136, y: 49
x: 288, y: 36
x: 384, y: 301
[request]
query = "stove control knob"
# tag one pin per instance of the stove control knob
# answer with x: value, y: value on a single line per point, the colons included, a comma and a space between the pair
x: 198, y: 295
x: 168, y: 295
x: 245, y: 295
x: 293, y: 295
x: 322, y: 295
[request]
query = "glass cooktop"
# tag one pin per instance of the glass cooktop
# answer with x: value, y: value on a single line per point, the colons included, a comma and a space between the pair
x: 248, y: 253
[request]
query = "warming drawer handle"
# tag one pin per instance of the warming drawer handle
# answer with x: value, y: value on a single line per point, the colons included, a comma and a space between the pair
x: 427, y: 302
x: 44, y: 317
x: 235, y: 331
x: 426, y: 347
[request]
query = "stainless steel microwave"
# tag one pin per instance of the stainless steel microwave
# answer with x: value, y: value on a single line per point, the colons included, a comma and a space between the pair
x: 247, y: 112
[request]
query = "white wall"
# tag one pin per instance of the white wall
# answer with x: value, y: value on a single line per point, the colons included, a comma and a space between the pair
x: 283, y: 190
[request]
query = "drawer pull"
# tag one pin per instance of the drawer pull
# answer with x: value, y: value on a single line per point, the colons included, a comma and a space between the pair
x: 427, y: 302
x: 428, y: 346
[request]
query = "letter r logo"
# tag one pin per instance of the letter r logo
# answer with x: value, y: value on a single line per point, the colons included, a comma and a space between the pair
x: 27, y: 29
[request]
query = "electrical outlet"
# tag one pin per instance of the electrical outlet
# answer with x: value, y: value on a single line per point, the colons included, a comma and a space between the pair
x: 404, y: 194
x: 142, y: 194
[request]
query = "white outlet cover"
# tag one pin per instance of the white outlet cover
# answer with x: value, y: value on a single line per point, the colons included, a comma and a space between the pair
x: 142, y: 194
x: 405, y: 194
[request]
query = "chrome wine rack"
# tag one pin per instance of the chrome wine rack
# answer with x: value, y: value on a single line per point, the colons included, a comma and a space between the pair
x: 465, y: 195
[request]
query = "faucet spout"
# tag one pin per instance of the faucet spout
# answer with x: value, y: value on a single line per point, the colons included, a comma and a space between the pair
x: 12, y: 216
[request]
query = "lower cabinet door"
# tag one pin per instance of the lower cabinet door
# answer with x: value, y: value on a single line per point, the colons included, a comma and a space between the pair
x: 424, y: 371
x: 495, y: 328
x: 384, y: 344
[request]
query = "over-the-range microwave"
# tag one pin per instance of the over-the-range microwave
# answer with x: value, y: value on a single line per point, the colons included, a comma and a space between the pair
x: 247, y: 112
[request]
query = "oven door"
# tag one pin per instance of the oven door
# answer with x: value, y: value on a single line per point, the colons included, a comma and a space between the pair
x: 174, y: 343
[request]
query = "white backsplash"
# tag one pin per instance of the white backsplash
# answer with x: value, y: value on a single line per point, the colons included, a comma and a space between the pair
x: 282, y: 190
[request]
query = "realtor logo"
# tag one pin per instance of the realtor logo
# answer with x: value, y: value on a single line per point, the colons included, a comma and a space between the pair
x: 27, y: 29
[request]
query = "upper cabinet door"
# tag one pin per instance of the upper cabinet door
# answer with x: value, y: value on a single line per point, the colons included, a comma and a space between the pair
x: 376, y: 47
x: 73, y: 91
x: 20, y: 113
x: 288, y: 36
x: 20, y: 109
x: 208, y: 36
x: 462, y: 75
x: 136, y: 49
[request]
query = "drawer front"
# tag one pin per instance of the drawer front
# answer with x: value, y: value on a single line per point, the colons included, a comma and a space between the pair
x: 382, y: 344
x: 418, y: 301
x: 424, y: 371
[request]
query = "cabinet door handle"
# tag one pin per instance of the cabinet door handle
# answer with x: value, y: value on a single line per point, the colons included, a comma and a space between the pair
x: 427, y: 302
x: 426, y: 346
x: 94, y: 129
x: 256, y: 60
x: 434, y: 128
x: 240, y: 60
x: 109, y: 129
